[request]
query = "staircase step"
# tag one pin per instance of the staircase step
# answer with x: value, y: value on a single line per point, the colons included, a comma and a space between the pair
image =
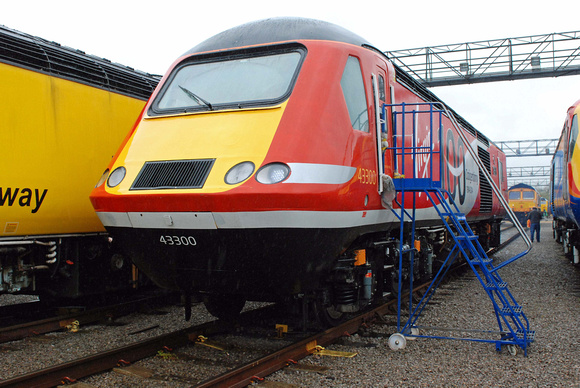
x: 500, y: 285
x: 452, y: 213
x: 481, y: 261
x: 467, y: 237
x: 458, y: 216
x: 506, y: 310
x: 529, y: 334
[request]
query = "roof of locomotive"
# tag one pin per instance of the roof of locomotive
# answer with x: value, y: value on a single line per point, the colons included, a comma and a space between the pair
x: 37, y: 54
x: 281, y: 29
x: 278, y: 29
x: 521, y: 186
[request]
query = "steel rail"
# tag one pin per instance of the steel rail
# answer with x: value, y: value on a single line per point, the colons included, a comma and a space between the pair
x: 52, y: 324
x: 259, y: 368
x: 100, y: 362
x: 72, y: 370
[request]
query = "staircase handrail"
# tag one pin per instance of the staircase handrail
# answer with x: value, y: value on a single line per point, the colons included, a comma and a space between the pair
x: 494, y: 187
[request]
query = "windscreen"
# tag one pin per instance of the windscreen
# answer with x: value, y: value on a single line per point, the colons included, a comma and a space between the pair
x: 230, y: 82
x: 529, y: 195
x: 515, y: 195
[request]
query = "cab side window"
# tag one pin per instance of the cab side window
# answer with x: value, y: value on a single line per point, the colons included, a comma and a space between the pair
x: 382, y: 95
x: 354, y: 94
x: 573, y: 136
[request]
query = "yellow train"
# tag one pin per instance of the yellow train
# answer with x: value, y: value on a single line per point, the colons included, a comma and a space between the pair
x: 62, y: 116
x: 544, y: 206
x: 522, y: 198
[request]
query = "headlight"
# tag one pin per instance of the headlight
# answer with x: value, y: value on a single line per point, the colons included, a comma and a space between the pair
x: 273, y: 173
x: 103, y: 178
x: 239, y: 173
x: 116, y: 177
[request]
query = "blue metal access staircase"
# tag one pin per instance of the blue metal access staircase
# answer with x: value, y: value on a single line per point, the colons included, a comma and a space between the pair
x: 513, y: 324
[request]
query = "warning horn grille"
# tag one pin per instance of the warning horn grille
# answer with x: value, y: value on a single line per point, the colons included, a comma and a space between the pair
x: 173, y: 174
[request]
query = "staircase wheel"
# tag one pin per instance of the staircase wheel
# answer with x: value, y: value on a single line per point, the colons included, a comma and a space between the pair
x: 397, y: 341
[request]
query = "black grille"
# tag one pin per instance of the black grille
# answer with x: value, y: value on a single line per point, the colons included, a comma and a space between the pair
x: 482, y: 139
x: 485, y: 192
x: 173, y: 174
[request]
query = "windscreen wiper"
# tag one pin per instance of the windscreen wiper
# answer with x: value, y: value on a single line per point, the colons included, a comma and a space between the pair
x: 196, y: 98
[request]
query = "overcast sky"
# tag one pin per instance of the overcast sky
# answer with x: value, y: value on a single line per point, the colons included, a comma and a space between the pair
x: 150, y: 35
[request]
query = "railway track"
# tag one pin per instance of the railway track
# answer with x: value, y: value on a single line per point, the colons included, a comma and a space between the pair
x: 83, y: 317
x: 238, y: 376
x: 71, y: 371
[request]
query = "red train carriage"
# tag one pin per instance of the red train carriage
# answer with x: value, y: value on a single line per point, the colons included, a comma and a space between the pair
x: 254, y: 172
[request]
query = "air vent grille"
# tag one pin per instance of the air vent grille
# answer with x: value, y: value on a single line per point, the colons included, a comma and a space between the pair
x: 485, y: 191
x: 173, y: 174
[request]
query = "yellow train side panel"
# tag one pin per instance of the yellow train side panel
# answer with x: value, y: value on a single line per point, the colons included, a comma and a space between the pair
x: 57, y: 137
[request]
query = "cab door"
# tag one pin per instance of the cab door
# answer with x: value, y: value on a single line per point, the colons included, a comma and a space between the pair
x: 383, y: 94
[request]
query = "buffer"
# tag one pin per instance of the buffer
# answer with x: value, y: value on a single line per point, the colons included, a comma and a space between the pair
x: 421, y: 173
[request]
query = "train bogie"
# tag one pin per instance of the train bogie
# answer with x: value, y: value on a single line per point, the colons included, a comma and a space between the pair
x: 267, y: 187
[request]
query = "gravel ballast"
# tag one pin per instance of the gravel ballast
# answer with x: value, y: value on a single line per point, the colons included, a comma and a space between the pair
x: 544, y: 282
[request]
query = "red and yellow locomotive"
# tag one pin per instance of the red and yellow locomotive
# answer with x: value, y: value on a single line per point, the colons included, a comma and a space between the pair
x: 254, y: 172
